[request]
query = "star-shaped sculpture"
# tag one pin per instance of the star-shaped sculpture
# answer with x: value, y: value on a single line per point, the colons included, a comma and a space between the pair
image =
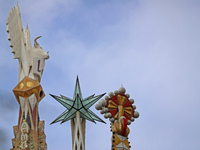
x: 77, y: 104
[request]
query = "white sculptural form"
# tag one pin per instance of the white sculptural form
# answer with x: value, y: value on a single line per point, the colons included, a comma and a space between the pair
x: 31, y: 59
x: 28, y: 92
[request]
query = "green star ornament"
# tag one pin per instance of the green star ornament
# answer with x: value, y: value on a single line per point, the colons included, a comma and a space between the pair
x: 77, y: 104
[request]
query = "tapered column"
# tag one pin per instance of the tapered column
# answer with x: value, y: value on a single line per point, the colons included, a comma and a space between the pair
x: 29, y: 132
x: 78, y: 132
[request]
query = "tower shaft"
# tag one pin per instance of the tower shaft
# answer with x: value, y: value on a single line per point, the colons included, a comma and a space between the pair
x: 78, y: 125
x: 29, y: 133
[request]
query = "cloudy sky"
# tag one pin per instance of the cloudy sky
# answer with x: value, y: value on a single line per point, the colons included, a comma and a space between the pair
x: 152, y: 48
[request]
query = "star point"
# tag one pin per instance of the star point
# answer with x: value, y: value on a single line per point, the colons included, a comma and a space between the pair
x: 77, y: 104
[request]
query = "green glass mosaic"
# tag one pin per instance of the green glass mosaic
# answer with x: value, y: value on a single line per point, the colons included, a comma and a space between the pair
x: 77, y: 104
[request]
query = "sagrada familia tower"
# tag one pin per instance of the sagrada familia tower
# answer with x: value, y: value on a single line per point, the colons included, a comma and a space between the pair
x: 29, y: 132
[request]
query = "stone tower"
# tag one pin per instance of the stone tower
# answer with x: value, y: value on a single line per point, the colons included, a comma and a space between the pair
x: 29, y: 133
x: 78, y: 112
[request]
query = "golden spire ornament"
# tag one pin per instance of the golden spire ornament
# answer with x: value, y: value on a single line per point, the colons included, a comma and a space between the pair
x: 120, y: 111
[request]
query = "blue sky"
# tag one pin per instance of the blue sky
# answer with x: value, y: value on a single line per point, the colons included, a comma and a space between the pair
x: 152, y: 48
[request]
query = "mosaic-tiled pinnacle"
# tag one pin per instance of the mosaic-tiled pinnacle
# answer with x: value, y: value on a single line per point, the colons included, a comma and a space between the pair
x: 77, y: 104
